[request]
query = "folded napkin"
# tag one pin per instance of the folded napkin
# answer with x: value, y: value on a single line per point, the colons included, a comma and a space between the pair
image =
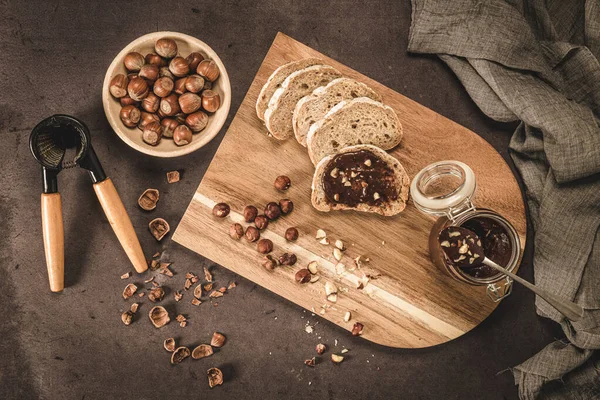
x: 537, y: 61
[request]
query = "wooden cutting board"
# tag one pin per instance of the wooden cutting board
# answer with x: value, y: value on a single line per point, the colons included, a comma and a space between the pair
x: 411, y: 303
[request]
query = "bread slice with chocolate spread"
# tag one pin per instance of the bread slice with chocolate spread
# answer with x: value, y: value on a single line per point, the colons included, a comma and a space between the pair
x: 362, y: 178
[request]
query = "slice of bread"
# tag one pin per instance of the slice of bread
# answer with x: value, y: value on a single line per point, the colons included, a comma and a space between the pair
x: 275, y: 81
x: 312, y: 108
x: 358, y: 121
x: 278, y: 117
x: 395, y: 179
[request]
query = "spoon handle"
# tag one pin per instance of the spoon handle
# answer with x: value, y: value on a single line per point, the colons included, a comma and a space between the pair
x: 571, y: 310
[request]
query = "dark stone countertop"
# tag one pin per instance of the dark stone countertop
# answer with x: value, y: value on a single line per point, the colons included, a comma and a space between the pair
x: 74, y: 346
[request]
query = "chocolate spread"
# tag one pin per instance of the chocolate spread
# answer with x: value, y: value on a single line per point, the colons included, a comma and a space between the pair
x: 495, y: 242
x: 359, y: 177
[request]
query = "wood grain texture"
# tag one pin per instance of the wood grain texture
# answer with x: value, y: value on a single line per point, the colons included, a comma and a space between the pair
x: 411, y: 304
x: 119, y: 220
x: 54, y: 240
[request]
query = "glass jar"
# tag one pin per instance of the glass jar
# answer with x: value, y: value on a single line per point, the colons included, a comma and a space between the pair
x: 446, y: 189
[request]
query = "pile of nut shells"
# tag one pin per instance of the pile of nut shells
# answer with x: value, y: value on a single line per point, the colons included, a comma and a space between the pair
x: 166, y: 95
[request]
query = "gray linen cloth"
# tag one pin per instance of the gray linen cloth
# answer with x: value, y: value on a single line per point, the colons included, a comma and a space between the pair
x: 537, y: 61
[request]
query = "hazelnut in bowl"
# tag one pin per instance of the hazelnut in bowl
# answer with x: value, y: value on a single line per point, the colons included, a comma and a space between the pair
x: 166, y: 94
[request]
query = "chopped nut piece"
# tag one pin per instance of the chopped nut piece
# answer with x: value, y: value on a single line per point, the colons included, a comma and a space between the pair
x: 218, y: 340
x: 340, y: 245
x: 156, y: 294
x: 173, y: 176
x: 134, y: 307
x: 142, y: 294
x: 376, y: 196
x: 159, y: 316
x: 314, y: 278
x: 166, y: 271
x: 330, y: 288
x: 215, y: 377
x: 463, y: 249
x: 178, y: 295
x: 357, y: 329
x: 188, y: 284
x: 321, y: 348
x: 453, y: 234
x: 337, y: 254
x: 180, y: 318
x: 169, y: 344
x: 198, y: 291
x: 348, y: 183
x: 203, y: 350
x: 154, y: 264
x: 127, y: 317
x: 208, y: 287
x: 336, y: 197
x: 347, y: 316
x: 321, y: 234
x: 334, y: 173
x: 313, y: 267
x: 129, y: 291
x: 215, y: 294
x: 288, y: 259
x: 337, y: 358
x: 207, y: 275
x: 222, y: 289
x: 344, y: 351
x: 231, y: 285
x: 180, y: 354
x: 332, y: 298
x: 340, y: 268
x: 368, y: 162
x: 149, y: 280
x: 324, y: 241
x: 126, y: 275
x: 196, y: 302
x: 445, y: 243
x: 310, y: 362
x: 303, y: 276
x: 353, y: 174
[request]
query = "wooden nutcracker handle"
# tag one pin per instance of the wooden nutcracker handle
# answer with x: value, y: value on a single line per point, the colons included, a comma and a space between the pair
x: 120, y: 222
x: 54, y: 240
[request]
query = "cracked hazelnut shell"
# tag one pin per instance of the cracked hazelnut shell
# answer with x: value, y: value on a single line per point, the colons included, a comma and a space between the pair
x: 180, y: 354
x: 148, y: 199
x: 159, y: 228
x: 159, y: 316
x: 215, y: 377
x: 218, y: 340
x: 202, y: 351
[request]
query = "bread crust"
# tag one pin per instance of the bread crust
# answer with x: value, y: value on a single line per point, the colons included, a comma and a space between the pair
x: 320, y: 202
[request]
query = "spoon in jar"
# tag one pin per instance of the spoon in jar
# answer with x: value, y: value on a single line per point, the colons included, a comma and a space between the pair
x: 463, y: 249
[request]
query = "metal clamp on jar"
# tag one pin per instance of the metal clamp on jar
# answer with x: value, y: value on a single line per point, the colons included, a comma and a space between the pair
x: 446, y: 189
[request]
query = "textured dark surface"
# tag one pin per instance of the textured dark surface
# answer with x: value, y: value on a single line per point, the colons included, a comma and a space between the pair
x: 74, y: 346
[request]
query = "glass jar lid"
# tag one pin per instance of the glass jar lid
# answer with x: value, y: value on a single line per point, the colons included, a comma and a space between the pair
x: 444, y: 188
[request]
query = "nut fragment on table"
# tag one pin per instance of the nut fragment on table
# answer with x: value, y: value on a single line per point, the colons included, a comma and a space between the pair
x: 221, y: 210
x: 156, y: 294
x: 269, y: 262
x: 129, y: 291
x: 126, y: 275
x: 310, y: 362
x: 337, y: 254
x: 291, y: 234
x: 218, y: 340
x: 347, y: 316
x: 340, y: 245
x: 336, y: 359
x: 207, y: 275
x: 182, y: 320
x: 303, y: 275
x: 148, y: 199
x: 198, y: 291
x: 177, y: 295
x: 215, y: 377
x: 159, y: 228
x: 357, y: 329
x: 288, y: 259
x: 159, y: 316
x: 180, y: 354
x: 202, y: 351
x: 173, y: 176
x: 127, y: 317
x: 320, y: 349
x: 169, y: 345
x: 320, y: 234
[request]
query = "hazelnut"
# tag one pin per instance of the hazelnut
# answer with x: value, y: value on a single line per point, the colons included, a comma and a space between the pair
x: 182, y: 135
x: 194, y: 83
x: 218, y: 340
x: 149, y: 72
x: 288, y: 259
x: 272, y: 210
x: 357, y: 329
x: 134, y: 61
x: 286, y: 205
x: 169, y: 105
x: 163, y: 86
x: 151, y: 103
x: 264, y: 246
x: 156, y: 294
x: 180, y: 86
x: 118, y: 86
x: 252, y: 234
x: 169, y: 126
x: 165, y: 72
x: 291, y: 234
x: 211, y: 101
x: 146, y: 118
x: 261, y: 222
x: 269, y: 262
x: 282, y: 182
x: 208, y: 69
x: 194, y: 59
x: 250, y: 213
x: 179, y: 67
x: 189, y: 102
x: 221, y: 210
x: 127, y: 101
x: 155, y: 59
x: 166, y: 48
x: 130, y: 116
x: 303, y: 276
x: 197, y: 121
x: 152, y: 133
x: 137, y: 88
x: 236, y: 231
x: 180, y: 117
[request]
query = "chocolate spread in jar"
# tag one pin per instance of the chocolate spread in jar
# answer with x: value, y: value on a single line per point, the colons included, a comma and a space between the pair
x: 359, y: 177
x: 495, y: 242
